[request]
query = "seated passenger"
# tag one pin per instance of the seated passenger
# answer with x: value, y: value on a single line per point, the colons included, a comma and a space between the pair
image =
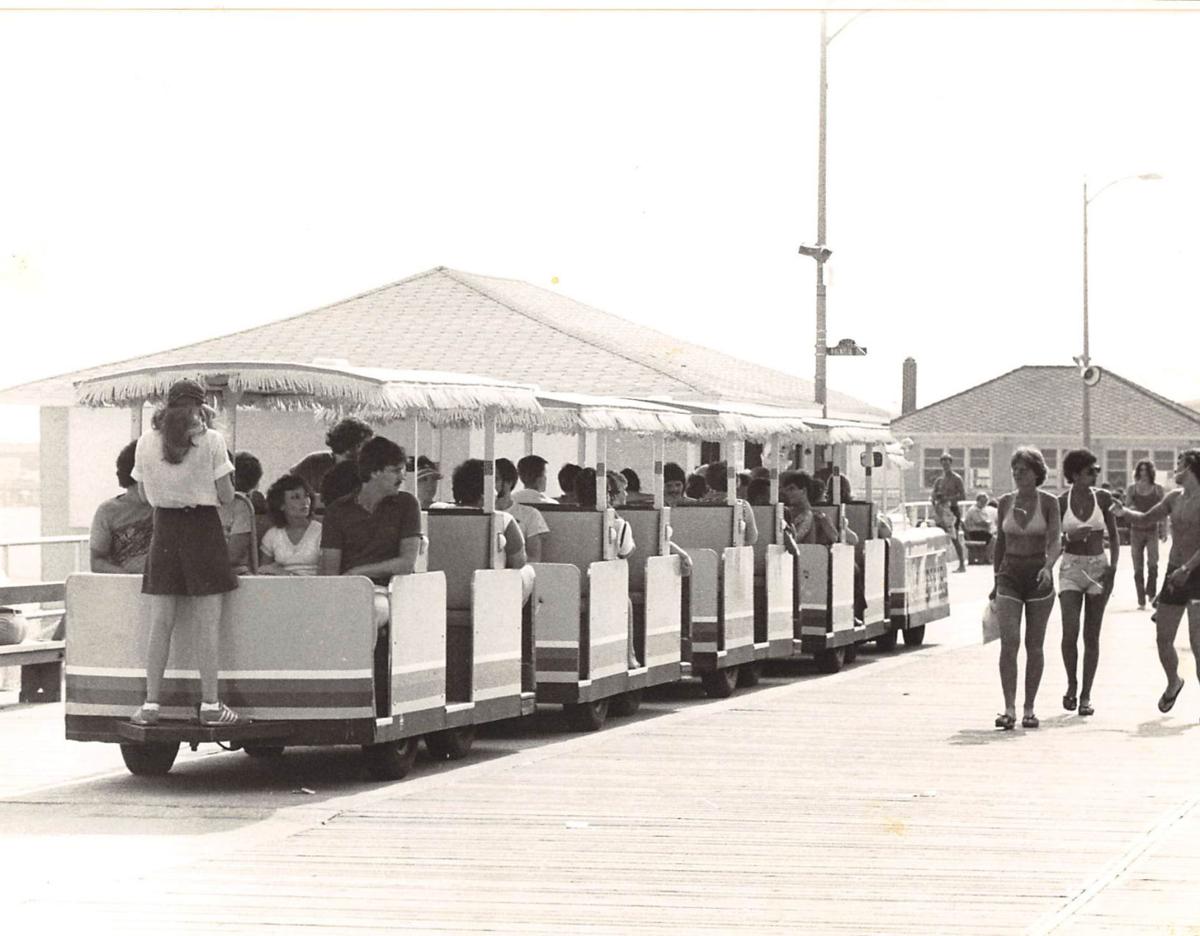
x: 237, y: 521
x: 340, y: 480
x: 247, y: 472
x: 292, y: 544
x: 714, y: 480
x: 121, y: 526
x: 375, y: 531
x: 805, y: 525
x: 743, y: 484
x: 980, y: 520
x: 824, y: 477
x: 532, y: 471
x: 344, y: 441
x: 533, y: 525
x: 634, y: 496
x: 428, y: 477
x: 758, y: 492
x: 566, y: 482
x: 585, y: 496
x: 696, y: 487
x: 674, y: 481
x: 467, y: 485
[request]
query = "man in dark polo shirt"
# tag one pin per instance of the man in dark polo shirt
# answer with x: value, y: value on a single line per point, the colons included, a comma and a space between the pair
x: 376, y: 531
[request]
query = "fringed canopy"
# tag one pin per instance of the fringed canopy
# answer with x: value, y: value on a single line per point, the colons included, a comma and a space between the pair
x: 442, y: 399
x: 752, y: 421
x: 841, y: 432
x: 576, y: 412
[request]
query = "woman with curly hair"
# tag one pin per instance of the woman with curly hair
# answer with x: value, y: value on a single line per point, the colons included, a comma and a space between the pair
x: 1181, y: 584
x: 292, y: 546
x: 1028, y: 543
x: 1085, y: 579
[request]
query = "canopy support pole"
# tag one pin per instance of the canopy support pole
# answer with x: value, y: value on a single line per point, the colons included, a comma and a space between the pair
x: 135, y: 418
x: 489, y: 460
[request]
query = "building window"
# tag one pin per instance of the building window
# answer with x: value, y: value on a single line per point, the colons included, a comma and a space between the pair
x: 1116, y: 468
x: 1164, y: 462
x: 931, y: 463
x: 979, y: 471
x: 1050, y: 455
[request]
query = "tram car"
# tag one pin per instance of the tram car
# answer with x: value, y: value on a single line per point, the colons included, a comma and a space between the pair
x: 298, y: 654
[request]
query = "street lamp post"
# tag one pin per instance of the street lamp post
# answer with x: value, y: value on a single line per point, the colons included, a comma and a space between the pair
x: 820, y: 252
x: 1085, y: 360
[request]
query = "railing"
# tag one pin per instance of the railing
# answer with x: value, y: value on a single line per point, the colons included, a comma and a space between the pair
x: 37, y: 593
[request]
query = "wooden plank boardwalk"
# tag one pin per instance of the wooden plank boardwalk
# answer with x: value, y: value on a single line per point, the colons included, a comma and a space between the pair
x: 879, y: 800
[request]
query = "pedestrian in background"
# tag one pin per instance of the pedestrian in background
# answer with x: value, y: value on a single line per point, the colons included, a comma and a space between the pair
x: 1144, y: 536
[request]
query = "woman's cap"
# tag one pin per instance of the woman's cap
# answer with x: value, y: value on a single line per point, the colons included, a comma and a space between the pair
x: 185, y: 391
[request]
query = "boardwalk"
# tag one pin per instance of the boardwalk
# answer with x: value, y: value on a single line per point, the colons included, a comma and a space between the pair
x: 877, y: 800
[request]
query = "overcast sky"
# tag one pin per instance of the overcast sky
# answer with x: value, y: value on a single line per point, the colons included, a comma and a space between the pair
x: 167, y: 177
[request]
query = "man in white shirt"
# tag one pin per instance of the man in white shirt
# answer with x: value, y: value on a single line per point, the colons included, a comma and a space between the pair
x: 533, y: 525
x: 532, y: 471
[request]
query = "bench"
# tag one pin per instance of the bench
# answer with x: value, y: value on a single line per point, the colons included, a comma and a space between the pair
x: 41, y: 668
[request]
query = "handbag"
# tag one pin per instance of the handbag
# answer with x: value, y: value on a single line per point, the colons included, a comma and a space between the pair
x: 991, y: 622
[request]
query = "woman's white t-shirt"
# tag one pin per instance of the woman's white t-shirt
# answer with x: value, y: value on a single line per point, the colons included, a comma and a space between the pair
x: 298, y: 558
x: 191, y: 483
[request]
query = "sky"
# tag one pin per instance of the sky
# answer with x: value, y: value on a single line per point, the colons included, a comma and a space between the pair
x: 168, y: 176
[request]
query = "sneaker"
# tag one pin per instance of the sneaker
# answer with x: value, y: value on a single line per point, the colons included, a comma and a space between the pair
x: 1142, y: 606
x: 145, y: 716
x: 222, y: 717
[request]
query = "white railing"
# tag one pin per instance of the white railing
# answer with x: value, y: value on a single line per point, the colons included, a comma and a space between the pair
x: 75, y: 541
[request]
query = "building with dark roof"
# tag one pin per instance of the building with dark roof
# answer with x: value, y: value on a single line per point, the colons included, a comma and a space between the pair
x: 1043, y: 406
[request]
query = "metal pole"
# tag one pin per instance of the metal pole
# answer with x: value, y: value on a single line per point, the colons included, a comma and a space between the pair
x: 822, y: 342
x: 1087, y: 398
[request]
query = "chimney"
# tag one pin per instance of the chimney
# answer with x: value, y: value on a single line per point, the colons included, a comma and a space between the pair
x: 908, y: 387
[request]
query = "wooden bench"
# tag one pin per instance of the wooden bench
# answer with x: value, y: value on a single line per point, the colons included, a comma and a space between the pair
x: 41, y: 668
x: 41, y: 662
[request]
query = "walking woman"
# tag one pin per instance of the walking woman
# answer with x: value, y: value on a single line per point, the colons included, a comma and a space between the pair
x: 1085, y: 578
x: 1028, y: 544
x: 1143, y: 537
x: 184, y: 473
x: 1181, y: 584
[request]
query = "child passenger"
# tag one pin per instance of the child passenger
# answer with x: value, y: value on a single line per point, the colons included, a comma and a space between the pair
x: 184, y: 473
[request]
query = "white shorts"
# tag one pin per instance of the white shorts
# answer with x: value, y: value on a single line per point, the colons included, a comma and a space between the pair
x: 1082, y: 574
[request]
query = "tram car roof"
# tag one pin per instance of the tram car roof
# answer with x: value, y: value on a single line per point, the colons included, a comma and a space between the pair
x: 578, y: 412
x: 439, y: 397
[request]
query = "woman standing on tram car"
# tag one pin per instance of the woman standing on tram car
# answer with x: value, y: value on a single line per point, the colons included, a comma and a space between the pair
x: 1181, y: 584
x: 1028, y: 543
x: 184, y: 473
x: 1085, y: 578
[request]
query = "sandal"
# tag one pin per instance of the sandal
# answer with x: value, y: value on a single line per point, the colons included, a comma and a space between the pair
x: 145, y: 716
x: 1085, y: 707
x: 222, y: 717
x: 1166, y: 702
x: 1030, y: 721
x: 1007, y: 722
x: 1069, y: 702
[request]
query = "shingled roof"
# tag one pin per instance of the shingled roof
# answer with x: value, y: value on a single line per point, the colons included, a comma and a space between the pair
x: 1038, y: 400
x: 446, y: 319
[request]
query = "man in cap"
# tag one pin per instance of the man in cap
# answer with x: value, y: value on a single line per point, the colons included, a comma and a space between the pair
x: 947, y: 491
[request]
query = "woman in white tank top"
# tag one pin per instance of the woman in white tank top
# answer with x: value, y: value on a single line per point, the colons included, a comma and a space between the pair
x: 1085, y: 578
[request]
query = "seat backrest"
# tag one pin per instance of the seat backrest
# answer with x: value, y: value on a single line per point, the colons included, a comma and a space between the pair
x: 703, y: 526
x: 645, y: 524
x: 576, y: 535
x: 460, y: 542
x: 764, y: 520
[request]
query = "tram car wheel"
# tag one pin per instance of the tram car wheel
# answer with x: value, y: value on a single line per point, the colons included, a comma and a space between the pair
x: 830, y: 659
x: 749, y: 674
x: 626, y: 704
x: 887, y: 642
x: 149, y: 760
x: 391, y: 760
x: 450, y: 743
x: 914, y: 636
x: 851, y: 653
x: 719, y: 684
x: 587, y: 716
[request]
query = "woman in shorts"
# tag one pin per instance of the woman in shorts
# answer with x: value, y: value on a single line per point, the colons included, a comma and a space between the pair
x: 1181, y: 584
x: 1085, y: 578
x: 184, y: 473
x: 1028, y: 543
